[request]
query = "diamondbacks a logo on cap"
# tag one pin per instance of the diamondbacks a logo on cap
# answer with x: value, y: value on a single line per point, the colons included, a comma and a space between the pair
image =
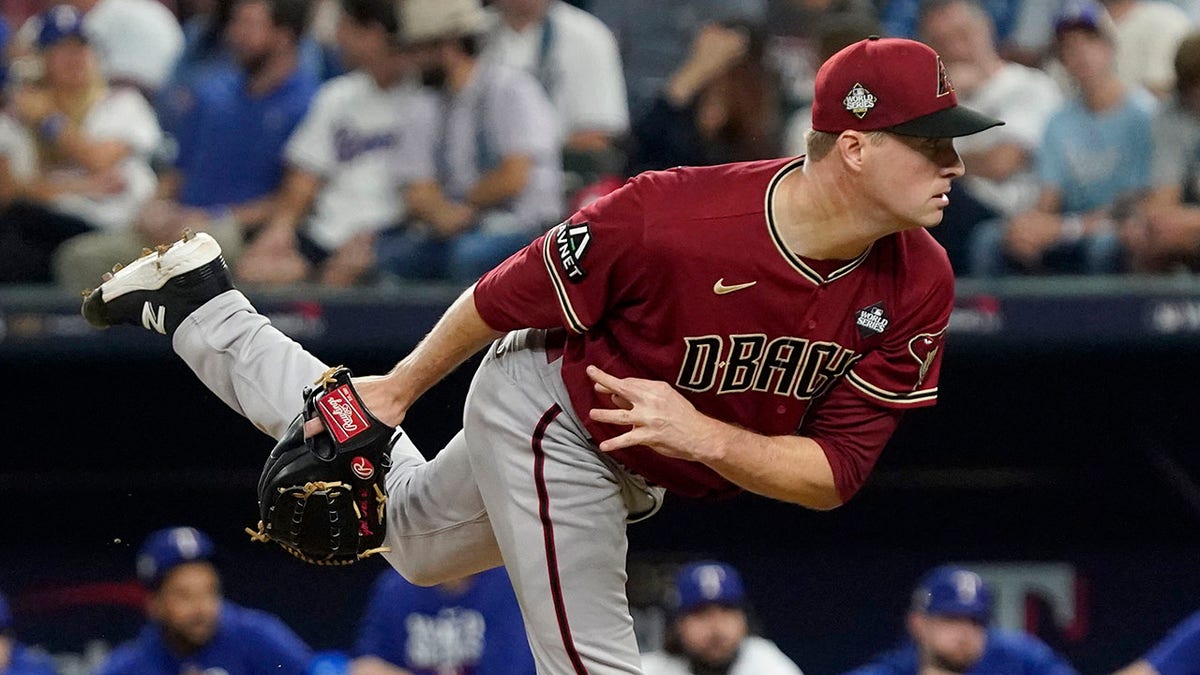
x: 871, y: 320
x: 945, y: 86
x: 859, y: 101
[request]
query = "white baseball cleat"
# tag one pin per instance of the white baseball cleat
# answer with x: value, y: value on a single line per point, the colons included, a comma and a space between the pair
x: 159, y: 289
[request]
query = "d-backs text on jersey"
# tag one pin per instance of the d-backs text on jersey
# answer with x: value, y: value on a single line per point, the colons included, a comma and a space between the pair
x: 785, y: 366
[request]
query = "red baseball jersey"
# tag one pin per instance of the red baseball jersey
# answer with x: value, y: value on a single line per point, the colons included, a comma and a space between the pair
x: 682, y: 276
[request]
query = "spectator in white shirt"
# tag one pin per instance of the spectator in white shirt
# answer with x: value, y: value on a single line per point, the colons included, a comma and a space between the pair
x: 574, y: 56
x: 341, y: 187
x: 93, y: 142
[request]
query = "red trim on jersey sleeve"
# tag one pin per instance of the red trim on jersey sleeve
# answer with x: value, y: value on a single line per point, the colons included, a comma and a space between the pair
x: 852, y: 431
x: 570, y: 276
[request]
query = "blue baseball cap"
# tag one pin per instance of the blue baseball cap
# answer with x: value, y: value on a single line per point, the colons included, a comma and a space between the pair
x: 953, y: 591
x: 58, y: 23
x: 708, y: 582
x: 5, y: 615
x: 1086, y: 15
x: 166, y: 549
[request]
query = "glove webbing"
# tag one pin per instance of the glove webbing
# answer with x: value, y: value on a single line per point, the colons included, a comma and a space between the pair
x: 302, y: 495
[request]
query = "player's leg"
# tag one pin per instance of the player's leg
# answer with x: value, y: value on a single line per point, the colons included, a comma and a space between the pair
x: 558, y: 513
x: 438, y: 525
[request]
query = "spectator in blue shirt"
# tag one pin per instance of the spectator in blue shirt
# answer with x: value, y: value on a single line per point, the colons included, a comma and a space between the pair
x: 472, y: 625
x: 1177, y: 654
x: 947, y: 627
x: 1095, y: 151
x: 16, y: 658
x: 191, y: 628
x: 232, y: 131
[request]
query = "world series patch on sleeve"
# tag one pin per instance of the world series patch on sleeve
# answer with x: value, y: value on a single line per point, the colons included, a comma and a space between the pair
x: 323, y: 498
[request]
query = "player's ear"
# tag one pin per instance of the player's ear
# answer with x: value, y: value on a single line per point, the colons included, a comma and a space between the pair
x: 850, y: 147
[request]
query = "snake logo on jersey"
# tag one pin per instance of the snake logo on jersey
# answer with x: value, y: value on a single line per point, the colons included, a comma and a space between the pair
x: 785, y: 366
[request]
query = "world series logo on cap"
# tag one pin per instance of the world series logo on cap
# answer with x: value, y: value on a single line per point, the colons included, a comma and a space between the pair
x: 859, y: 101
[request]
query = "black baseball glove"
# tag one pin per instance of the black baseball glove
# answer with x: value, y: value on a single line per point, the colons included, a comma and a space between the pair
x: 323, y: 498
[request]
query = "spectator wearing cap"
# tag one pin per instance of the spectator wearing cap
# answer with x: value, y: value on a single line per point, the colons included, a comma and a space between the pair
x: 191, y: 628
x: 1176, y: 654
x: 948, y: 633
x: 93, y: 146
x: 710, y: 629
x: 137, y: 41
x: 497, y: 183
x: 469, y: 625
x: 16, y: 658
x: 231, y: 136
x: 1096, y: 150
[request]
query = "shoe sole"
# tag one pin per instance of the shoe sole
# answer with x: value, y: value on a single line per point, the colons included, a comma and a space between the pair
x: 152, y: 271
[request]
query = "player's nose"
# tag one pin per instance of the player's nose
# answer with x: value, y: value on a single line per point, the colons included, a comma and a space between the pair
x: 951, y: 162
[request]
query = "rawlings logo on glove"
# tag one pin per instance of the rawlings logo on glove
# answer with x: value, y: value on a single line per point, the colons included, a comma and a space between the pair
x: 322, y: 499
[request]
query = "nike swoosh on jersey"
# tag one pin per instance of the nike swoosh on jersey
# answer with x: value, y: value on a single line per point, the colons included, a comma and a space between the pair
x: 721, y: 289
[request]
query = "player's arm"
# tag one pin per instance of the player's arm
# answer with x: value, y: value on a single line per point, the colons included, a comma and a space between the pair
x: 457, y: 335
x: 818, y: 471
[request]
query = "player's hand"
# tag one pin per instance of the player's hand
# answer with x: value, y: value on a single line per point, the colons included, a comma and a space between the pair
x: 376, y: 393
x: 659, y: 416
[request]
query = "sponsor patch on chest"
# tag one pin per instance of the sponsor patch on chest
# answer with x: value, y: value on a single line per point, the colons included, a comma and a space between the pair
x: 871, y: 320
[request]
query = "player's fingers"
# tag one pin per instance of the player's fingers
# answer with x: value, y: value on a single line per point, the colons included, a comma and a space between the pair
x: 313, y: 427
x: 612, y: 416
x: 629, y: 439
x: 611, y: 383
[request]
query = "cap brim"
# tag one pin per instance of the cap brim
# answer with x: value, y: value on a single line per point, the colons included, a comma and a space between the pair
x: 948, y: 123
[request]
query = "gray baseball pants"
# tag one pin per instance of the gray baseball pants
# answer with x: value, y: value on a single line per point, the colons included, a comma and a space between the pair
x: 521, y: 485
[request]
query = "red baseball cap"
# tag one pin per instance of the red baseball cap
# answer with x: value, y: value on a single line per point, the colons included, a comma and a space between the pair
x: 891, y: 84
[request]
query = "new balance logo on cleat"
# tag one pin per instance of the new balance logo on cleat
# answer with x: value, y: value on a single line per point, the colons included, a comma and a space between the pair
x: 154, y: 320
x: 162, y: 287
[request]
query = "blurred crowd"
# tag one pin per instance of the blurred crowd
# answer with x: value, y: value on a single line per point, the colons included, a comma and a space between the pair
x: 348, y: 142
x: 474, y: 626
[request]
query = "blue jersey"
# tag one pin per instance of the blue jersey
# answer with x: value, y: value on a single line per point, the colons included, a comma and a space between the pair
x: 25, y: 662
x: 247, y: 642
x: 431, y: 631
x: 1006, y: 653
x: 1179, y: 652
x: 231, y: 143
